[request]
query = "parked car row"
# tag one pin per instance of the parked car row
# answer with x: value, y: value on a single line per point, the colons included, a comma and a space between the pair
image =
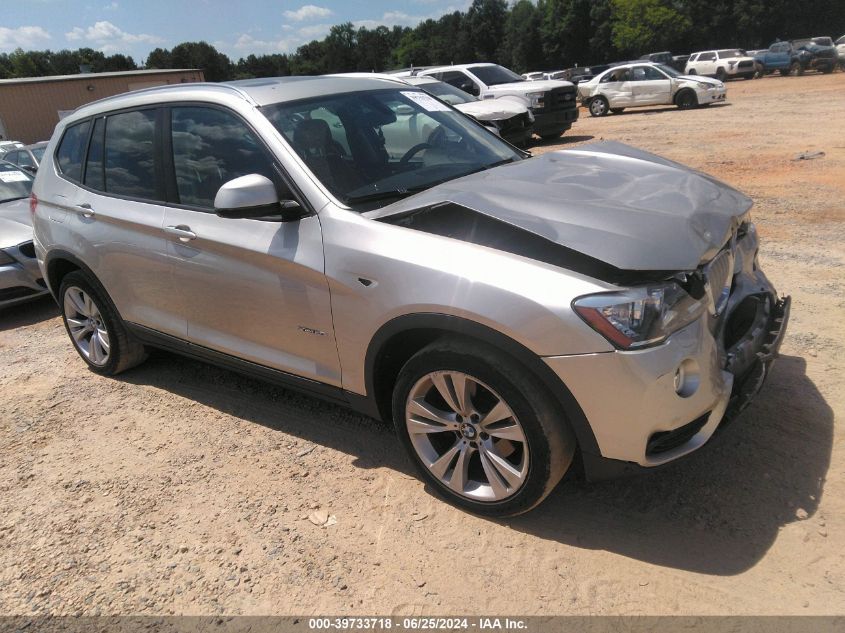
x: 793, y: 57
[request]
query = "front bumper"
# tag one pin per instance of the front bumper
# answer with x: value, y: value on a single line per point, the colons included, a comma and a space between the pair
x: 639, y: 414
x: 21, y: 280
x: 554, y: 122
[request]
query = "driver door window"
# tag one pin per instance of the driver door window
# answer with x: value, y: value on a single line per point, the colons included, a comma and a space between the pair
x: 210, y: 148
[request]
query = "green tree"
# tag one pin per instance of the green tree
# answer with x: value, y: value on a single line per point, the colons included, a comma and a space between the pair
x: 339, y: 48
x: 215, y: 65
x: 522, y: 50
x: 565, y: 32
x: 486, y: 23
x: 159, y: 58
x: 643, y: 26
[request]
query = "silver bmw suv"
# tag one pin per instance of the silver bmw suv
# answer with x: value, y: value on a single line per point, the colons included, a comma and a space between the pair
x: 365, y: 242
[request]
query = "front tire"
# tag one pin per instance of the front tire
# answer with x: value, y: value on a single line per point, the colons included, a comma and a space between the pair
x: 721, y: 75
x: 686, y: 100
x: 95, y: 328
x: 795, y: 68
x: 479, y: 428
x: 599, y: 106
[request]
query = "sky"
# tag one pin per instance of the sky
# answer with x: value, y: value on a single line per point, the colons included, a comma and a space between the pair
x: 235, y: 27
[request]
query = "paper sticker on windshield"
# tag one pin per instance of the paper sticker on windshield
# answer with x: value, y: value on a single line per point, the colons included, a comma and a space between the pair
x: 13, y: 176
x: 426, y: 102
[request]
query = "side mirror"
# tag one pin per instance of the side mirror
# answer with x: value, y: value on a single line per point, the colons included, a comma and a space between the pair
x: 252, y: 196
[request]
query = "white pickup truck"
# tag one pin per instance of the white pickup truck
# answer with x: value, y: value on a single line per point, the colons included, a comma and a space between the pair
x: 553, y: 103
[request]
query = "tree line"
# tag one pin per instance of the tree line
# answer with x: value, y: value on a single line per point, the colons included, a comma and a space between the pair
x: 523, y: 35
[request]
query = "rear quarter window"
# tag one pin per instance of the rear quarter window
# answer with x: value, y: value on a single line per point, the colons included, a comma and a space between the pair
x: 71, y: 151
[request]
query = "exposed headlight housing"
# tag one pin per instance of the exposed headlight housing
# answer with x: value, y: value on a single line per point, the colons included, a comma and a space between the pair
x: 639, y: 317
x: 536, y: 99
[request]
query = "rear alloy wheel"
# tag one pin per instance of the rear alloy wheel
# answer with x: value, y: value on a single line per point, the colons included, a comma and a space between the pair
x: 85, y: 326
x: 479, y: 428
x: 686, y: 100
x: 95, y: 329
x: 599, y: 106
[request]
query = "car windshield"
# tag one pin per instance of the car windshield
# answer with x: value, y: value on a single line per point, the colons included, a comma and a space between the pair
x: 449, y: 94
x: 38, y: 152
x: 668, y: 70
x: 732, y: 52
x: 14, y: 183
x: 495, y: 75
x: 385, y: 144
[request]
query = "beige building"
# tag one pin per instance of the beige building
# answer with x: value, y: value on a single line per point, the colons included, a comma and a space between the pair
x: 31, y: 107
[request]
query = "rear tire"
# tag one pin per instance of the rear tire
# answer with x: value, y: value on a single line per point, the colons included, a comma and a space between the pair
x: 551, y: 137
x: 95, y: 328
x: 502, y: 473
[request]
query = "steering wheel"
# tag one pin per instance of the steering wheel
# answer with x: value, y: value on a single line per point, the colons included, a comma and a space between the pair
x: 413, y: 151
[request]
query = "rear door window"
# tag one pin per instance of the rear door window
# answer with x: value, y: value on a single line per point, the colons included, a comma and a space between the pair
x: 71, y: 151
x: 129, y: 156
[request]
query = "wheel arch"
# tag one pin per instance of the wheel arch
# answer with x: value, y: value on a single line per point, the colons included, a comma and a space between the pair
x: 399, y: 339
x: 59, y: 263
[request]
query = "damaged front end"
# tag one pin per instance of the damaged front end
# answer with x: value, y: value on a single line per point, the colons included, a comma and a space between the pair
x: 748, y: 319
x: 694, y: 323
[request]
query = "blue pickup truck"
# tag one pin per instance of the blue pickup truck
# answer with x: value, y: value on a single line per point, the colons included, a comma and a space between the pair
x: 798, y: 56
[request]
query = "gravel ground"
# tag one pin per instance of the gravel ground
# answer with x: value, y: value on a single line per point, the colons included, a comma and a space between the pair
x: 182, y: 488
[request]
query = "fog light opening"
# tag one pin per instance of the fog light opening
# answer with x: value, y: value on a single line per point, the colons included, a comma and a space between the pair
x: 687, y: 378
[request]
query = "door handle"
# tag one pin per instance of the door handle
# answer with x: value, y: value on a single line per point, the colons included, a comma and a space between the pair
x: 184, y: 233
x: 84, y: 210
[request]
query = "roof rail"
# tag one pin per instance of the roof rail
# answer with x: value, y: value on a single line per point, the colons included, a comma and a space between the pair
x: 205, y: 85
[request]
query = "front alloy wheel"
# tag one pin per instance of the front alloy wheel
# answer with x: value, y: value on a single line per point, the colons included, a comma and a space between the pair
x: 467, y: 436
x: 86, y: 327
x: 480, y: 427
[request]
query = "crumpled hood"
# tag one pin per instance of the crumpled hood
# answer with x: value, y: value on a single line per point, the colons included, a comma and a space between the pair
x: 618, y: 204
x: 702, y: 79
x: 492, y: 109
x: 15, y: 223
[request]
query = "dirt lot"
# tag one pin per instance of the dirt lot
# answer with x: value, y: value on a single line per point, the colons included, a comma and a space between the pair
x: 181, y: 488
